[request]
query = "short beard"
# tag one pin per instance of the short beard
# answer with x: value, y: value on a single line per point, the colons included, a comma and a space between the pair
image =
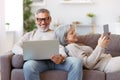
x: 46, y: 29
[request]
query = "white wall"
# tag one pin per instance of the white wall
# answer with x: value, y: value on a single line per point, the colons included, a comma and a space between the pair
x: 107, y: 12
x: 14, y: 16
x: 3, y: 47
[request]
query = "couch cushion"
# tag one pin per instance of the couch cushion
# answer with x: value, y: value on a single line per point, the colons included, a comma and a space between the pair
x: 113, y: 76
x: 54, y: 75
x: 17, y: 74
x: 90, y: 40
x: 114, y: 45
x: 93, y: 75
x: 17, y: 61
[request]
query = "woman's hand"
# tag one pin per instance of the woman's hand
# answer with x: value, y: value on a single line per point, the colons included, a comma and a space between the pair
x: 57, y: 59
x: 103, y: 41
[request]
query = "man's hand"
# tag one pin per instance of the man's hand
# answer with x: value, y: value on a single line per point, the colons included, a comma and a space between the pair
x: 57, y: 59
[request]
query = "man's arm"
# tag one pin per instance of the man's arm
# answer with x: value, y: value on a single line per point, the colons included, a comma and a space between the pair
x: 17, y: 48
x: 60, y: 58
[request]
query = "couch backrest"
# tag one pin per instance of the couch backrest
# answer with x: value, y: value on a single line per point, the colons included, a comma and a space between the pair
x: 92, y: 39
x: 114, y: 45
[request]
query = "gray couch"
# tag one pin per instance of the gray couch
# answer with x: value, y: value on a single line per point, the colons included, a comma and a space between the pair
x: 12, y: 65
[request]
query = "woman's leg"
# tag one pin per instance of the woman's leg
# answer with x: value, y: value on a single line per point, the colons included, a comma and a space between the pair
x: 113, y: 65
x: 33, y: 68
x: 73, y: 66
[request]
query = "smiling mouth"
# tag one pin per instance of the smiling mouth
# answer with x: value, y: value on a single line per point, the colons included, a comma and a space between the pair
x: 43, y: 28
x: 43, y: 25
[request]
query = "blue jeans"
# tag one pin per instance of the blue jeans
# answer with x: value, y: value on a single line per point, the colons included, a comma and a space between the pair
x: 72, y: 65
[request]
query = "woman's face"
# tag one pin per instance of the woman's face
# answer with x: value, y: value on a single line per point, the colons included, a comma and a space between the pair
x: 71, y: 35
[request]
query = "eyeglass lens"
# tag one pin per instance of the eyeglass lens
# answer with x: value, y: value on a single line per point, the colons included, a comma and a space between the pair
x: 43, y: 19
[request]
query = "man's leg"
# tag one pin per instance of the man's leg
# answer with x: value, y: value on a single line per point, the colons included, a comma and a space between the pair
x: 33, y: 68
x: 73, y: 66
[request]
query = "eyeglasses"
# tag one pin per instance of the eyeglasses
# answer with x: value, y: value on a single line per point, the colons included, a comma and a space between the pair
x: 43, y: 19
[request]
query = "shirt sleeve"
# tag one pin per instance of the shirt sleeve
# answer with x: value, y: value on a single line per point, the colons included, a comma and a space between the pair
x: 90, y: 61
x: 18, y: 47
x: 89, y: 56
x: 62, y: 51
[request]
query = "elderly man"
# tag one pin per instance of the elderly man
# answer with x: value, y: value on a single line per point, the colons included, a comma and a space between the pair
x: 33, y: 68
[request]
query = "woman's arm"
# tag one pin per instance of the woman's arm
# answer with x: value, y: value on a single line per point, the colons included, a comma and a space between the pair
x: 84, y: 53
x: 90, y: 57
x: 90, y: 61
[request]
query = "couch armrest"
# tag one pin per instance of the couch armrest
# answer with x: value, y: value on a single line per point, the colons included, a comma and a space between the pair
x: 5, y: 65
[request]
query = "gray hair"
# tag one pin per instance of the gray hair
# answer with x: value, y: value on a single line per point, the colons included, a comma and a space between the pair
x: 61, y: 33
x: 42, y: 11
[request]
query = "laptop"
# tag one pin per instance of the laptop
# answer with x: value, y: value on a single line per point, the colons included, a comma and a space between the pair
x: 40, y: 50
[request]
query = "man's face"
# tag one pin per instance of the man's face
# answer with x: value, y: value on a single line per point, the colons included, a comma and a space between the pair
x: 43, y: 21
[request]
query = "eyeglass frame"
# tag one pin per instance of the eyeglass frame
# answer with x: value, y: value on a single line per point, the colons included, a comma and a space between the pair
x: 43, y: 19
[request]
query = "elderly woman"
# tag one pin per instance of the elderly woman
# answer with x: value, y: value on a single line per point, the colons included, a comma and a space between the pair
x: 92, y: 59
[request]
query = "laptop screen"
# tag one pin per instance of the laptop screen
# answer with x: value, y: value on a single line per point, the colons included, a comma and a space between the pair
x: 39, y: 50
